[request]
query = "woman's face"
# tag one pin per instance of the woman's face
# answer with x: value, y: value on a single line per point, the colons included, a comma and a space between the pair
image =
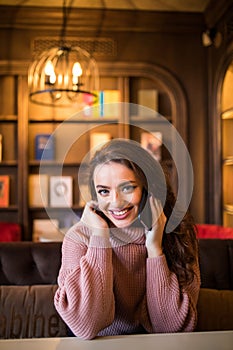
x: 118, y: 192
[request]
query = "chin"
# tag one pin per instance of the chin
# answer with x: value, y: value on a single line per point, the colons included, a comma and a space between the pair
x: 123, y: 223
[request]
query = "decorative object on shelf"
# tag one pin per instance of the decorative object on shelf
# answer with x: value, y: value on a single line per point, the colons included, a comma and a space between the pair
x: 4, y: 190
x: 62, y: 75
x: 46, y: 230
x: 0, y: 147
x: 38, y: 190
x: 107, y: 104
x: 152, y: 142
x: 97, y: 139
x: 44, y: 147
x: 148, y: 98
x: 61, y: 191
x: 10, y: 232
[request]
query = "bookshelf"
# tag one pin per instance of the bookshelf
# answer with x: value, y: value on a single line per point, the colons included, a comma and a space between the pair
x: 74, y: 130
x: 9, y: 165
x: 227, y: 148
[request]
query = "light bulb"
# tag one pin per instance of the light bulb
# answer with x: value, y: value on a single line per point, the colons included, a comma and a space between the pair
x: 52, y: 78
x: 76, y: 72
x: 49, y: 72
x: 49, y: 68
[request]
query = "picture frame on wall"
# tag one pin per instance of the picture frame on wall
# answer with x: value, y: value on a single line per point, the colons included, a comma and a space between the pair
x: 44, y: 147
x: 152, y: 142
x: 61, y: 191
x: 38, y: 185
x: 4, y: 190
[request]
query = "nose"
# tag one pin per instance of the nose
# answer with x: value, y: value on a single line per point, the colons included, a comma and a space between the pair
x: 119, y: 199
x: 115, y: 196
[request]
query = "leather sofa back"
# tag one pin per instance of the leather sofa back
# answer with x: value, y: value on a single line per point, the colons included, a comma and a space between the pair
x: 29, y: 263
x: 28, y: 277
x: 216, y: 263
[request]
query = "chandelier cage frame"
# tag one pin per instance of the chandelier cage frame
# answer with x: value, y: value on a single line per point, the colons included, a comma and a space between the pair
x: 64, y: 75
x: 64, y: 91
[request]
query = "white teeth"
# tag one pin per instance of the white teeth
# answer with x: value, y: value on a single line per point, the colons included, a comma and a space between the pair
x: 119, y: 213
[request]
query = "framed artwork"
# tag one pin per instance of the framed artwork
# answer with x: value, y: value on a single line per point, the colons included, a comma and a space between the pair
x: 61, y: 191
x: 43, y: 227
x: 38, y: 190
x: 152, y: 142
x: 44, y: 147
x: 97, y: 139
x: 4, y: 190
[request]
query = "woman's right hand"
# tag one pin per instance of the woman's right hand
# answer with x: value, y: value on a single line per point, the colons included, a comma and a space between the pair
x: 154, y: 237
x: 93, y: 220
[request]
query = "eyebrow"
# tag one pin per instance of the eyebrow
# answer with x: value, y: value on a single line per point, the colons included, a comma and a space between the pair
x: 129, y: 182
x: 102, y: 186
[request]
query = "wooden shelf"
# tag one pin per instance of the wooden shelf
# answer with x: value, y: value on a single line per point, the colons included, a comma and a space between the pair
x: 9, y: 208
x: 96, y: 120
x: 49, y: 163
x: 228, y: 161
x: 74, y: 207
x: 21, y: 121
x: 8, y: 163
x: 155, y: 119
x: 8, y: 118
x: 228, y: 114
x: 228, y: 208
x: 227, y: 149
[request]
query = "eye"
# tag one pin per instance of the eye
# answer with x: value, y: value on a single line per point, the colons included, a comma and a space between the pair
x: 103, y: 192
x: 128, y: 188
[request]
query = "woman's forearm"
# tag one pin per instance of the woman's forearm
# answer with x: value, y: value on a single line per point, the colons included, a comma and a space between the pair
x: 84, y: 298
x: 170, y: 308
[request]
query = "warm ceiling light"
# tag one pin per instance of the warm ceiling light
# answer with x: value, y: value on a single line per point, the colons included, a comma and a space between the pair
x: 63, y: 75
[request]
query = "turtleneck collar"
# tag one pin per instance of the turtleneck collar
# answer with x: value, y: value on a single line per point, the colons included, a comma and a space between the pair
x: 127, y: 235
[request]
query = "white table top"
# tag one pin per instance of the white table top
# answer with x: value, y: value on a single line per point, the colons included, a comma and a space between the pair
x: 181, y: 341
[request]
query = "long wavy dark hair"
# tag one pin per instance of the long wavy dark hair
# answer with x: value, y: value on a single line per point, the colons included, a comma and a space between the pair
x: 179, y: 246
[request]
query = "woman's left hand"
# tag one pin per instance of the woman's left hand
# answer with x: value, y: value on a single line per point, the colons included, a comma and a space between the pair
x: 155, y: 235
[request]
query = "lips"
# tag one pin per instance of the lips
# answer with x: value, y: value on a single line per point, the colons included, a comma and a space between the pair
x: 120, y: 214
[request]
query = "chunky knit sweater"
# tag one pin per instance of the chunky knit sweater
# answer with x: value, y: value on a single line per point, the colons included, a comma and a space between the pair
x: 108, y: 286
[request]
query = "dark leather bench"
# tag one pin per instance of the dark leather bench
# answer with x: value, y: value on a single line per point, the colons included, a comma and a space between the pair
x: 28, y: 277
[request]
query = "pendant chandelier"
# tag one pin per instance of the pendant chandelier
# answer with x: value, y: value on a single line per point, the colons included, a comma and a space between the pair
x: 63, y: 75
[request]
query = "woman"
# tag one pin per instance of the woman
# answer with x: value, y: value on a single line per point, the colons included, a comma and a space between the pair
x: 121, y: 272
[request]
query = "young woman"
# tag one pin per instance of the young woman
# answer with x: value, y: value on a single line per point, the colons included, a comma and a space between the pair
x: 121, y: 272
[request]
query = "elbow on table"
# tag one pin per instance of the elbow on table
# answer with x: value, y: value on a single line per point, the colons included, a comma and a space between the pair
x: 85, y: 333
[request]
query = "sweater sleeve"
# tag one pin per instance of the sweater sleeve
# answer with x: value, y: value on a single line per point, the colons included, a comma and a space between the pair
x: 170, y: 308
x: 84, y: 297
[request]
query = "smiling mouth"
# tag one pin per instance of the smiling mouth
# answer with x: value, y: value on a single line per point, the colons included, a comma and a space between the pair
x: 120, y: 213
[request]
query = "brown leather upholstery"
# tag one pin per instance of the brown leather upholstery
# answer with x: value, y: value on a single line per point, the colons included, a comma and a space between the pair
x: 28, y: 263
x: 216, y: 263
x: 28, y: 277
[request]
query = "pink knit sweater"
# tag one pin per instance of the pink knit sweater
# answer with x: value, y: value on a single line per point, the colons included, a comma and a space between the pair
x: 110, y: 287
